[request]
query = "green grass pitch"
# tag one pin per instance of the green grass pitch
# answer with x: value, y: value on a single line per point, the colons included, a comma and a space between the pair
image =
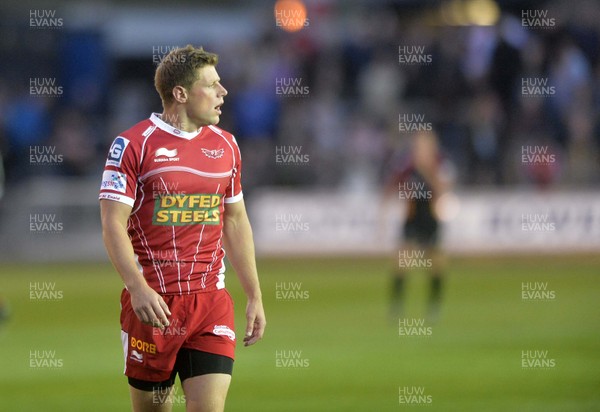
x: 349, y: 356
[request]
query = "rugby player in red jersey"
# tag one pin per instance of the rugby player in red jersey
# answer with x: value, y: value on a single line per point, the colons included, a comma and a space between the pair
x: 171, y: 202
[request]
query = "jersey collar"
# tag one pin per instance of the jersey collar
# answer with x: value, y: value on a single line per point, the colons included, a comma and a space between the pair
x: 155, y: 118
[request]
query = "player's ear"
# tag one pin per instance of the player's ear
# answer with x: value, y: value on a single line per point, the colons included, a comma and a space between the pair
x: 179, y: 94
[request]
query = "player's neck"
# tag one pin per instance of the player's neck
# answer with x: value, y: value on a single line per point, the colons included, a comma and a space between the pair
x: 178, y: 119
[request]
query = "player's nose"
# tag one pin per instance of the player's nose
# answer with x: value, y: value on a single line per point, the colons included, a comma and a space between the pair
x: 222, y: 91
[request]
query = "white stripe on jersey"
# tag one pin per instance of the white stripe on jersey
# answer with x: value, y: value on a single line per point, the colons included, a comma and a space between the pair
x: 140, y: 187
x: 214, y: 254
x: 221, y: 275
x: 149, y: 131
x: 174, y: 246
x: 177, y: 260
x: 234, y: 199
x: 117, y: 198
x: 210, y: 266
x: 140, y: 167
x: 185, y: 169
x: 157, y: 269
x: 145, y: 244
x: 125, y: 344
x: 195, y: 254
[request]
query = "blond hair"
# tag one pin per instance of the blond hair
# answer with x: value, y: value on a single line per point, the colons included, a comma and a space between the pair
x: 179, y: 68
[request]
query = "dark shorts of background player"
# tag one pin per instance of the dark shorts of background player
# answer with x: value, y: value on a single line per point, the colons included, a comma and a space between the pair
x: 423, y: 232
x: 199, y: 340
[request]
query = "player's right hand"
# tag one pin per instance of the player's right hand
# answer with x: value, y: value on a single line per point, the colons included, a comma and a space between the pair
x: 150, y: 307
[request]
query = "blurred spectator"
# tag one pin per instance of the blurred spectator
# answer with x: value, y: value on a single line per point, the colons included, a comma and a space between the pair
x: 74, y: 138
x: 470, y: 90
x: 486, y: 118
x: 27, y: 123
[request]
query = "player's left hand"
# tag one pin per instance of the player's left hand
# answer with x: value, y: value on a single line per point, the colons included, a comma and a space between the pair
x: 256, y: 322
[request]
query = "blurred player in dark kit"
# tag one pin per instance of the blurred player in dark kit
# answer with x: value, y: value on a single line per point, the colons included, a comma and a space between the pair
x: 416, y: 179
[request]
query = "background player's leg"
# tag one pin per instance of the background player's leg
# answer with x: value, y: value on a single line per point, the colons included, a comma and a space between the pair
x: 206, y: 393
x: 151, y: 401
x: 399, y: 281
x: 397, y: 293
x: 436, y: 282
x: 4, y: 311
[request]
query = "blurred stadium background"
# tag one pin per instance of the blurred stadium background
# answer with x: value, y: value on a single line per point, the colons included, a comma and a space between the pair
x: 322, y: 114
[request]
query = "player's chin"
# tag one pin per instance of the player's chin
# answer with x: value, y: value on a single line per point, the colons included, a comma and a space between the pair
x: 211, y: 118
x: 210, y: 121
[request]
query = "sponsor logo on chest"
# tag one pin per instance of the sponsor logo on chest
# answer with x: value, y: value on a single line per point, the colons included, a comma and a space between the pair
x: 187, y: 209
x: 163, y: 154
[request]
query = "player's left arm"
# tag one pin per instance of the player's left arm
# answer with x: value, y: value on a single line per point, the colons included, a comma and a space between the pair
x: 239, y: 244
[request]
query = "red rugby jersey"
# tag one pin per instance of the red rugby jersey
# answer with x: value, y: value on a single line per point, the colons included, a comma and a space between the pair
x: 177, y: 184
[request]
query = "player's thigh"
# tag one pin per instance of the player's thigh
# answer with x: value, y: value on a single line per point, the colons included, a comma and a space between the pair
x: 438, y: 259
x: 151, y: 401
x: 206, y: 393
x: 408, y: 246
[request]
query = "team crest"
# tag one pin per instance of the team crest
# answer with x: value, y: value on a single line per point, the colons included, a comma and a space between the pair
x: 213, y: 154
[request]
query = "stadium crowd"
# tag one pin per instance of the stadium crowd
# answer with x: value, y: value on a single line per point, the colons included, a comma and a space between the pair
x: 343, y: 91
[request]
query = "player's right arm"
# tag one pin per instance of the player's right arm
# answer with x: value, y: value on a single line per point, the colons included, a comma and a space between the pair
x: 147, y: 304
